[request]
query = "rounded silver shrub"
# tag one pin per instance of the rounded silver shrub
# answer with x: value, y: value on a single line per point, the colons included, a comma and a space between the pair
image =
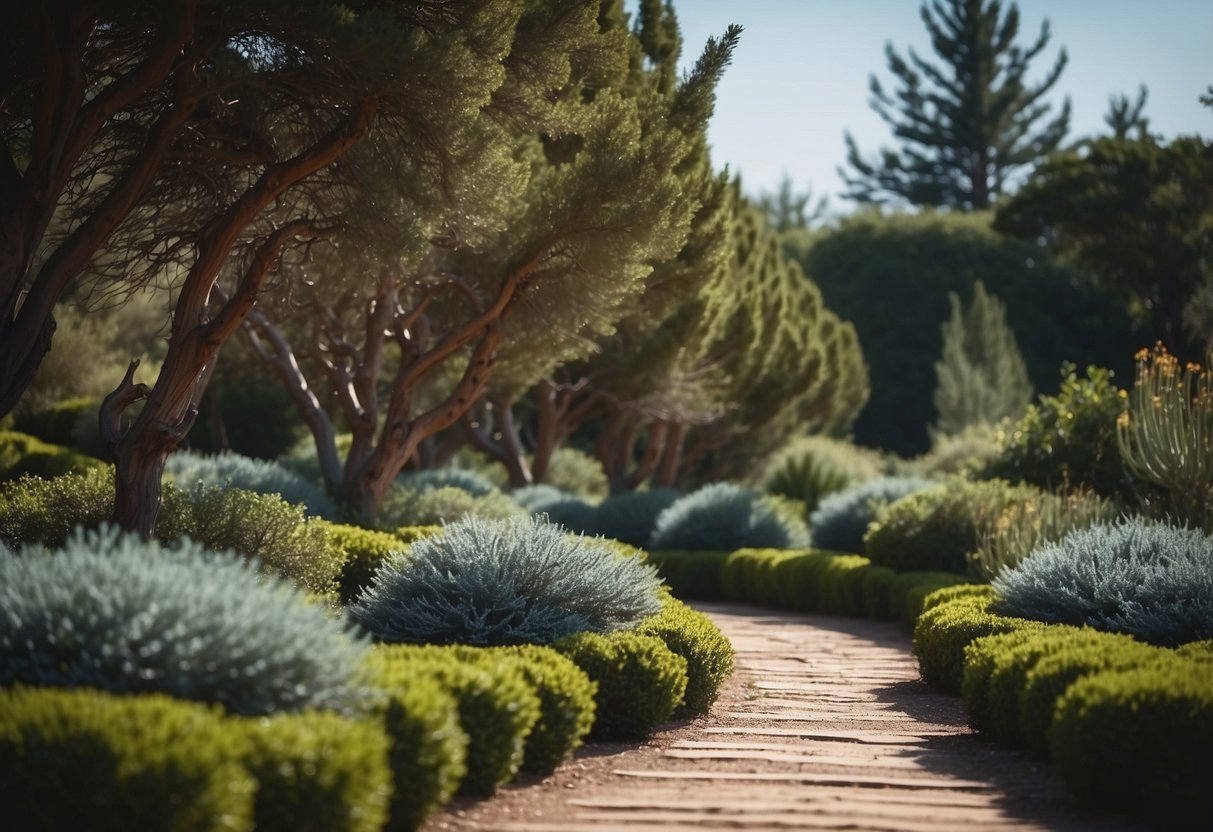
x: 513, y: 581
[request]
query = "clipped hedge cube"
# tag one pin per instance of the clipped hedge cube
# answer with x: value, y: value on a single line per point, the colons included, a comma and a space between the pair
x: 83, y: 759
x: 428, y: 756
x: 497, y: 708
x: 943, y: 631
x: 640, y: 681
x: 1139, y: 739
x: 708, y: 654
x: 566, y: 703
x: 319, y: 772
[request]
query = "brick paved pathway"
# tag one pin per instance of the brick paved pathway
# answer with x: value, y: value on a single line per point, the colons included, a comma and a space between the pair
x: 824, y: 726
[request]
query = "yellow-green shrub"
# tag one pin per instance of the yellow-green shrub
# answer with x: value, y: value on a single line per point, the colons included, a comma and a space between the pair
x: 708, y: 654
x: 362, y: 551
x: 943, y: 630
x: 692, y: 575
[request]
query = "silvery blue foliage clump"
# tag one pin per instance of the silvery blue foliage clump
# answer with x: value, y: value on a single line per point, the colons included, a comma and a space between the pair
x: 723, y: 517
x: 113, y: 612
x: 514, y: 581
x: 233, y: 470
x: 632, y: 517
x: 429, y: 479
x: 841, y: 519
x: 1150, y: 580
x: 534, y: 497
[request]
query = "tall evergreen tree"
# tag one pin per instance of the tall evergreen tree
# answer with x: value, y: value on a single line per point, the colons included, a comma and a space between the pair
x: 982, y: 375
x: 967, y: 123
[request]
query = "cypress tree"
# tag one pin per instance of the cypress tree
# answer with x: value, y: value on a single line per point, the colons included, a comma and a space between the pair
x: 982, y: 375
x: 967, y: 123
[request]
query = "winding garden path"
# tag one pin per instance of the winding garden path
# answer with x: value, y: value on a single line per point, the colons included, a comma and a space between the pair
x: 825, y: 725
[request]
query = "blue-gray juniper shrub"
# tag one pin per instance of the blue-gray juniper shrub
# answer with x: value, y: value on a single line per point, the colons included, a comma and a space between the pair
x: 632, y: 517
x: 1150, y: 580
x: 841, y: 519
x: 514, y: 581
x: 724, y: 517
x: 473, y: 482
x: 113, y: 612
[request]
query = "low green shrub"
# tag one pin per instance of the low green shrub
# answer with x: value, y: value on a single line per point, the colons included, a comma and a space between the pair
x: 113, y: 612
x: 577, y: 473
x: 497, y: 708
x: 429, y: 748
x: 1067, y: 440
x: 641, y: 682
x: 632, y: 517
x: 566, y: 703
x: 1138, y: 739
x: 1150, y: 580
x: 230, y: 470
x: 319, y: 772
x: 438, y: 506
x: 910, y: 591
x: 83, y: 759
x: 263, y: 526
x: 1047, y: 679
x: 877, y: 592
x: 942, y: 632
x: 805, y: 476
x: 691, y: 575
x: 411, y: 534
x: 841, y: 519
x: 506, y: 582
x: 363, y: 551
x: 22, y: 454
x: 749, y: 575
x: 709, y: 655
x: 937, y: 529
x: 36, y: 510
x: 56, y: 425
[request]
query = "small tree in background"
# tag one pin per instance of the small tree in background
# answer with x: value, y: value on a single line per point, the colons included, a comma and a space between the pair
x: 967, y: 124
x: 982, y: 375
x: 1125, y: 117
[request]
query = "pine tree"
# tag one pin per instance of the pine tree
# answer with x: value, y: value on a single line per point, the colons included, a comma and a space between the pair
x: 982, y: 375
x: 1125, y: 117
x: 966, y: 124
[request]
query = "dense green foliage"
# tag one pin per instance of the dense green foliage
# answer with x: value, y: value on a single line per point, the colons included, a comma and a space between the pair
x: 641, y: 682
x: 112, y: 612
x: 319, y: 771
x: 841, y: 519
x: 57, y: 424
x: 1106, y: 724
x: 429, y: 749
x: 82, y: 759
x: 363, y: 551
x: 693, y: 575
x: 1136, y: 215
x: 231, y: 470
x: 909, y: 263
x: 22, y: 454
x: 944, y: 630
x: 939, y: 528
x: 505, y: 582
x: 981, y: 374
x: 723, y: 516
x: 497, y: 708
x: 709, y: 655
x: 429, y: 479
x: 1152, y: 581
x: 442, y: 504
x: 1067, y: 440
x: 566, y: 702
x: 968, y: 122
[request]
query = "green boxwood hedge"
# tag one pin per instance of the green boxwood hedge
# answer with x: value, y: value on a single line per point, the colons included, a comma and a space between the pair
x: 692, y: 575
x: 497, y: 708
x: 708, y: 654
x: 82, y: 759
x: 641, y: 682
x: 1138, y: 739
x: 943, y: 631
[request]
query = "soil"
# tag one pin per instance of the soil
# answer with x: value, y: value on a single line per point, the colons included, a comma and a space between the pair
x: 824, y: 725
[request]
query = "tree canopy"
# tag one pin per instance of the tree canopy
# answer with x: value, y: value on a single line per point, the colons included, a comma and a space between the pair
x: 966, y: 123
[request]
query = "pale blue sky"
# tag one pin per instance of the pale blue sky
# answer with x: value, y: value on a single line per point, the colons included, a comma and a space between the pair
x: 800, y: 75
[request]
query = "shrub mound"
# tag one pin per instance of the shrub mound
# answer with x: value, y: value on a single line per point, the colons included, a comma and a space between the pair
x: 505, y: 582
x: 231, y: 470
x: 641, y: 682
x: 840, y: 520
x: 443, y: 504
x: 112, y: 612
x: 431, y: 479
x: 709, y: 655
x: 723, y: 516
x: 1152, y: 581
x: 632, y: 517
